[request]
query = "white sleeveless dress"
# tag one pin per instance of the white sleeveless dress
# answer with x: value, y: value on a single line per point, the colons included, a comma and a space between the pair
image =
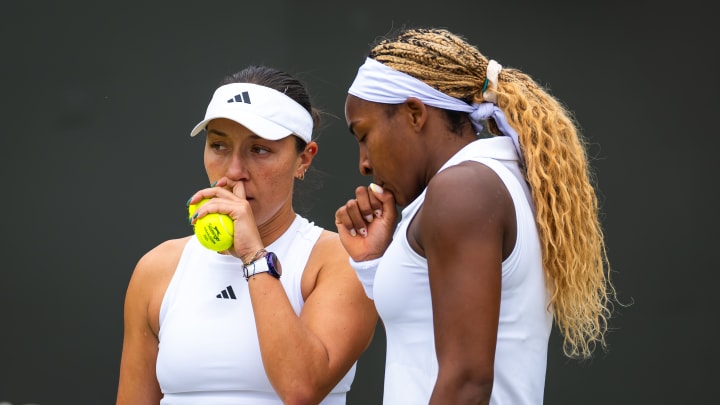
x: 401, y: 292
x: 209, y: 351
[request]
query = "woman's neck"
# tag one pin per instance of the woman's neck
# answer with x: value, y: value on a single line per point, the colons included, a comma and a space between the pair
x: 274, y: 227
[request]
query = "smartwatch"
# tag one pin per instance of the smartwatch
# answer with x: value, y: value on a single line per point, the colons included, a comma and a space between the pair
x: 266, y: 262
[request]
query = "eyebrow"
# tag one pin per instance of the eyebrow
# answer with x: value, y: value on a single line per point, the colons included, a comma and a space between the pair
x: 350, y: 128
x: 220, y: 133
x: 216, y: 132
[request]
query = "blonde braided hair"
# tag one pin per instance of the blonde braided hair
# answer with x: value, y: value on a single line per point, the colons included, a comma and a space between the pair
x: 557, y: 170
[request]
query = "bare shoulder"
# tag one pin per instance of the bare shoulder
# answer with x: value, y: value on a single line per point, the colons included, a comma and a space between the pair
x: 468, y: 186
x: 154, y: 270
x: 150, y: 280
x: 465, y: 203
x: 329, y: 244
x: 161, y: 260
x: 468, y: 198
x: 331, y: 253
x: 465, y: 176
x: 328, y: 261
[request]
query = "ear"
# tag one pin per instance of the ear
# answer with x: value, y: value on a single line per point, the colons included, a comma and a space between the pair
x: 417, y: 113
x: 307, y: 156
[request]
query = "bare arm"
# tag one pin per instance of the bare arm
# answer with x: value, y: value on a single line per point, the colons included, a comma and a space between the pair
x: 461, y: 228
x: 138, y: 383
x: 306, y: 356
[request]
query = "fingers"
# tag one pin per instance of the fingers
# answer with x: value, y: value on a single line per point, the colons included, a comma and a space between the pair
x: 369, y: 204
x: 357, y: 213
x: 349, y: 219
x: 343, y: 222
x: 386, y: 201
x: 223, y: 197
x: 228, y: 197
x: 365, y: 224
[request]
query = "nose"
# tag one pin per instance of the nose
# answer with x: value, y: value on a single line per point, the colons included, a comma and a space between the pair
x: 364, y: 163
x: 237, y: 169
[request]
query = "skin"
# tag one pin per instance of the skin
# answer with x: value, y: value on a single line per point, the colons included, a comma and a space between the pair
x: 253, y: 180
x: 465, y: 229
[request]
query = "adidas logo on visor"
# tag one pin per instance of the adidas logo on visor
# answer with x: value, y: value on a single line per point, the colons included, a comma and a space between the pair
x: 243, y: 97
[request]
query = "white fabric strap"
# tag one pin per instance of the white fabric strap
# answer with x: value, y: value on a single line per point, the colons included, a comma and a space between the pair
x: 379, y: 83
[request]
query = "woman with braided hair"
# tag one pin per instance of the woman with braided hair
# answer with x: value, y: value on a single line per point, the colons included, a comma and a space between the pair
x: 499, y: 232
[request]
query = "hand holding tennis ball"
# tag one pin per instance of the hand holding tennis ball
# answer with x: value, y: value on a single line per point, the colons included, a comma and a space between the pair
x: 214, y: 231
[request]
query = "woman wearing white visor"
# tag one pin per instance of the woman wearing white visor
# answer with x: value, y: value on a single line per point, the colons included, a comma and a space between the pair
x: 499, y: 231
x: 200, y: 326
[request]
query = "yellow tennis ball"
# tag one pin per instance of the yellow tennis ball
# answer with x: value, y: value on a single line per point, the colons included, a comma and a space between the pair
x: 214, y: 231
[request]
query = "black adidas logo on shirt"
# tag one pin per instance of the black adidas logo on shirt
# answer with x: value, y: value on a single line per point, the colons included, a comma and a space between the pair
x: 243, y: 97
x: 227, y: 293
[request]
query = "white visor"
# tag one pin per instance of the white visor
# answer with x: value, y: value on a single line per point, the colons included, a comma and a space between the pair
x: 268, y: 113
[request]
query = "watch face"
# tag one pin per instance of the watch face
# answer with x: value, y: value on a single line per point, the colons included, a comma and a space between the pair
x: 274, y: 264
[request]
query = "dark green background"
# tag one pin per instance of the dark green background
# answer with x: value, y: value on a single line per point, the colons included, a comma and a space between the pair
x: 98, y: 100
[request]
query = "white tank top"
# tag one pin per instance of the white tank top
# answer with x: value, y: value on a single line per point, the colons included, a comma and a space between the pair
x: 402, y: 297
x: 209, y: 351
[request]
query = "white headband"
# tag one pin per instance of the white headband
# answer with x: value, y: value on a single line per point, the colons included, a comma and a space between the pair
x: 379, y: 83
x: 266, y: 112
